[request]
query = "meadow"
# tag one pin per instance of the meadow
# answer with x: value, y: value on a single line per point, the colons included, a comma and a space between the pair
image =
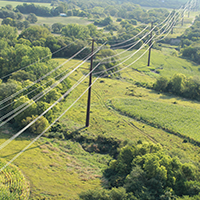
x: 61, y: 168
x: 163, y: 63
x: 171, y: 117
x: 15, y: 3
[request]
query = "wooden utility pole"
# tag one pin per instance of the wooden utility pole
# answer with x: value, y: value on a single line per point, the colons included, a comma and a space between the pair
x: 150, y: 43
x: 89, y: 90
x: 182, y: 18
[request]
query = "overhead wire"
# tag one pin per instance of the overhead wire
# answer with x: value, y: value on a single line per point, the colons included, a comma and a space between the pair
x: 134, y: 43
x: 43, y: 84
x: 65, y: 112
x: 133, y: 54
x: 45, y: 130
x: 139, y: 33
x: 40, y: 95
x: 38, y: 80
x: 130, y: 38
x: 32, y: 122
x: 47, y: 127
x: 38, y: 60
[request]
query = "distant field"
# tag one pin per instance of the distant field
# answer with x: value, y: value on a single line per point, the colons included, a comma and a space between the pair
x: 175, y: 118
x: 62, y: 20
x: 15, y: 3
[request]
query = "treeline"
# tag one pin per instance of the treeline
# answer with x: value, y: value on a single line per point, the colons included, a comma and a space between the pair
x: 160, y: 3
x: 144, y: 171
x: 96, y: 10
x: 16, y: 56
x: 42, y: 10
x: 13, y: 17
x: 190, y: 42
x: 180, y: 85
x: 146, y: 3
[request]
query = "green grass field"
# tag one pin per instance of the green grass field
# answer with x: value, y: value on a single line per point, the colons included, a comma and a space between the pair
x: 163, y: 63
x: 61, y: 169
x: 175, y: 118
x: 15, y: 3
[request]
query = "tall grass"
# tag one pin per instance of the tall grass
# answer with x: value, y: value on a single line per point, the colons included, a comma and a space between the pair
x: 174, y: 118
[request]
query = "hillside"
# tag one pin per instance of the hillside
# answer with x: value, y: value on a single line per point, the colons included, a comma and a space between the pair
x: 142, y: 142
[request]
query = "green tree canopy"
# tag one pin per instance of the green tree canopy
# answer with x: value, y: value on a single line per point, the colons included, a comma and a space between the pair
x: 76, y: 31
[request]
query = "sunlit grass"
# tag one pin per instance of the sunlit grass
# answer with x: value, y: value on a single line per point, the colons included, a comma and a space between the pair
x: 172, y: 117
x: 15, y: 3
x: 60, y: 169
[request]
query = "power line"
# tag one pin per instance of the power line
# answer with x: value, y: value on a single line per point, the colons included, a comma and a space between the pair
x: 62, y: 97
x: 43, y: 84
x: 44, y: 130
x: 38, y: 80
x: 37, y: 61
x: 40, y: 95
x: 68, y: 109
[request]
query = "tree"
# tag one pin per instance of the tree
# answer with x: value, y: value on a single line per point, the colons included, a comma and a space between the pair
x: 161, y: 84
x: 22, y: 76
x: 61, y: 8
x: 57, y: 27
x: 29, y: 111
x: 8, y: 21
x: 41, y: 107
x: 9, y: 7
x: 109, y: 63
x: 9, y: 88
x: 7, y: 32
x: 39, y: 126
x: 31, y: 18
x: 34, y: 33
x: 178, y: 83
x: 76, y: 31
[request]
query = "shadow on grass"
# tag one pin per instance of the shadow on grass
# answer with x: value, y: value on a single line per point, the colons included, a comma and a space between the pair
x: 13, y: 154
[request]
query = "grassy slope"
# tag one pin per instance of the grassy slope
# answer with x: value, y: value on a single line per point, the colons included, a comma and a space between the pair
x: 62, y: 169
x: 176, y: 119
x: 164, y: 63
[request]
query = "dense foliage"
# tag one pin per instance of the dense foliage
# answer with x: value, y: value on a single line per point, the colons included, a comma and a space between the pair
x: 144, y: 171
x: 125, y: 10
x: 21, y: 68
x: 190, y: 42
x: 42, y: 10
x: 180, y: 85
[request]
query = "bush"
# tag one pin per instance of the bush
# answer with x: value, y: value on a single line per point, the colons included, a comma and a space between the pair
x: 39, y: 126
